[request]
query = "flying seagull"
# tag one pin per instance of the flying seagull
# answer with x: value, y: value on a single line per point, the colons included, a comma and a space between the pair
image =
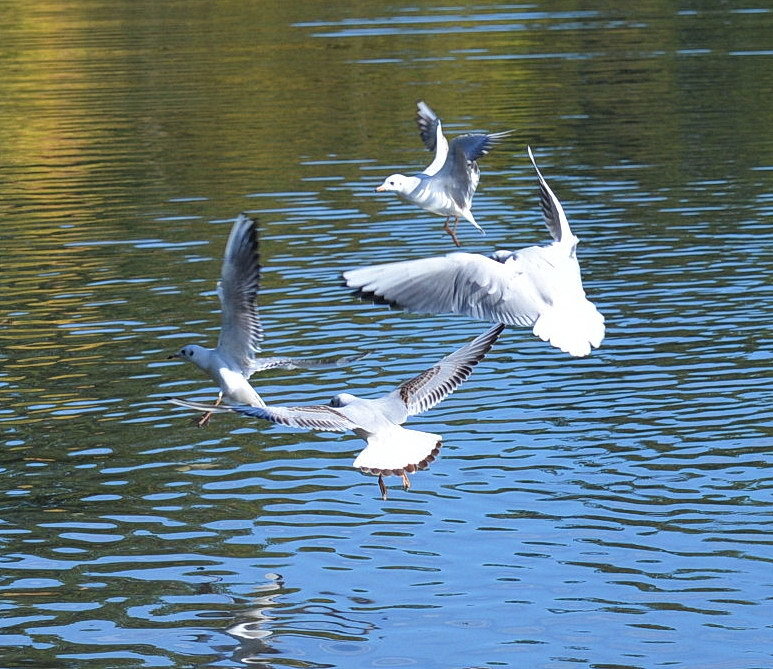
x: 447, y: 185
x: 234, y: 360
x: 538, y: 286
x: 390, y: 449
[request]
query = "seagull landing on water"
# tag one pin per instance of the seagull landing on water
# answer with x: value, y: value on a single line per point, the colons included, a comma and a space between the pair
x: 391, y: 449
x: 447, y: 185
x: 234, y: 360
x: 538, y: 286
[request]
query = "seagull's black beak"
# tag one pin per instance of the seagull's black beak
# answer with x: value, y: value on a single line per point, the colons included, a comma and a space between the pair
x: 174, y: 355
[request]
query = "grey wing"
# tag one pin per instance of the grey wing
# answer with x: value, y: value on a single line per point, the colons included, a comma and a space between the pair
x: 460, y: 283
x: 552, y: 211
x: 427, y: 389
x: 314, y: 417
x: 199, y: 406
x: 240, y: 331
x: 473, y: 146
x: 263, y: 363
x: 460, y: 171
x: 428, y: 123
x: 431, y: 131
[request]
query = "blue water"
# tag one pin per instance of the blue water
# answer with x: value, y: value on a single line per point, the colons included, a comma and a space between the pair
x: 611, y: 511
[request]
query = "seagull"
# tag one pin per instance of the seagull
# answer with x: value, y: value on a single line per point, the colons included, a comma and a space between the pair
x: 391, y: 449
x: 234, y: 360
x: 447, y: 185
x: 538, y: 286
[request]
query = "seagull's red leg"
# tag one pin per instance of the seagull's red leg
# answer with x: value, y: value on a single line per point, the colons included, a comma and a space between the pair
x: 204, y: 420
x: 451, y: 232
x: 382, y: 487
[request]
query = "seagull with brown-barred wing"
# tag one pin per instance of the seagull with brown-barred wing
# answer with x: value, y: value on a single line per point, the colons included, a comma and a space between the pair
x: 391, y: 449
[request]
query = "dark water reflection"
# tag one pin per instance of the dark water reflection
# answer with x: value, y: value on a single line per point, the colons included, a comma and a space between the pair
x: 604, y: 512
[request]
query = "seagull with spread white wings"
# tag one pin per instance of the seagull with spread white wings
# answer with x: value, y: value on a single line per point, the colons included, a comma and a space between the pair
x: 447, y: 184
x: 391, y: 449
x: 539, y: 286
x: 234, y: 360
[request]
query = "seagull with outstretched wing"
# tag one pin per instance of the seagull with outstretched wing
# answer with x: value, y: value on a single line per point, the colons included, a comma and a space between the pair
x: 235, y: 358
x: 538, y: 286
x: 446, y: 186
x: 391, y: 449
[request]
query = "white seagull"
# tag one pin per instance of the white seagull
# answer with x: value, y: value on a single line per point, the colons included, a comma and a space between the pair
x: 391, y: 449
x: 234, y: 360
x: 447, y: 185
x: 538, y: 286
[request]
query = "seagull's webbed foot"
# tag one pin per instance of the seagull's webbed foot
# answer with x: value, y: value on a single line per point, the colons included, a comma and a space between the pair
x: 451, y: 232
x: 382, y: 487
x: 406, y: 481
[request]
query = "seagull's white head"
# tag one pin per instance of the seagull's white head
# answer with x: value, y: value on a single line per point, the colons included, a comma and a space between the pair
x: 398, y: 183
x: 341, y: 400
x: 198, y: 355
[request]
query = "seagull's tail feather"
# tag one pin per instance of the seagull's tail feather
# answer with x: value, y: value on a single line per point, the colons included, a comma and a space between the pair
x: 398, y: 451
x: 262, y: 364
x: 471, y: 219
x: 573, y: 330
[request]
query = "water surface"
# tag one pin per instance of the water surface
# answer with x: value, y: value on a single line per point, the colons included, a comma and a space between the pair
x: 604, y: 512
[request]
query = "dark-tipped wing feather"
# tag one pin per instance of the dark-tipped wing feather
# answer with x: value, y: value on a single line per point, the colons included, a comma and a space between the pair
x: 431, y: 131
x: 427, y: 389
x: 240, y: 331
x: 552, y: 211
x: 460, y: 171
x: 263, y: 363
x: 459, y: 283
x: 473, y: 146
x: 314, y: 417
x: 428, y: 122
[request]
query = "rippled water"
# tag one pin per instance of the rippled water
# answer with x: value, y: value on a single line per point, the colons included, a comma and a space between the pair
x: 612, y: 511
